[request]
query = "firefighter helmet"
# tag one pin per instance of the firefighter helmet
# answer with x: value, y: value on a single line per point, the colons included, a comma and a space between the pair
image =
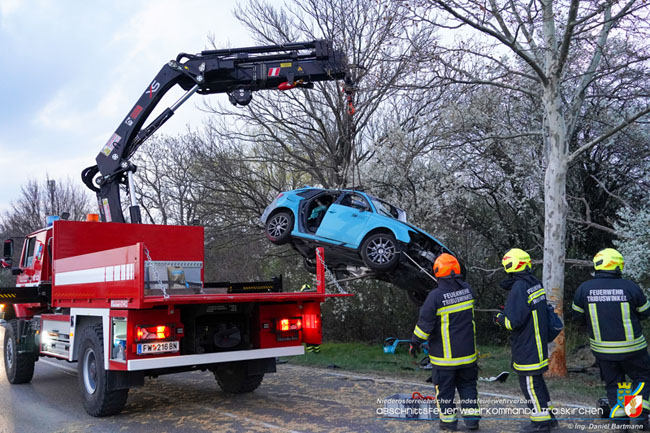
x: 446, y: 265
x: 516, y: 260
x: 608, y: 260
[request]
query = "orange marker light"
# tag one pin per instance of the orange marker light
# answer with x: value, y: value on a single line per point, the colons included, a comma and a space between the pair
x: 92, y: 217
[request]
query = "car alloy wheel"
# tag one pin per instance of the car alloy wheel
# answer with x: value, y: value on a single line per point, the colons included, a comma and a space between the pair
x: 381, y: 250
x: 278, y: 225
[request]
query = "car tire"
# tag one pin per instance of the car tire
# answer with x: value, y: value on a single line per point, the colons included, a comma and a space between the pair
x: 278, y: 227
x: 233, y: 378
x: 417, y: 297
x: 310, y: 265
x: 93, y: 378
x: 380, y: 252
x: 19, y: 367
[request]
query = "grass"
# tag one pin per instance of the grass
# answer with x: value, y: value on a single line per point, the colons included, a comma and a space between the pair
x: 370, y: 358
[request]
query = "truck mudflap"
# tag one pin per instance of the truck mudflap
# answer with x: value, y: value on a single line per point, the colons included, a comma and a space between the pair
x: 212, y: 358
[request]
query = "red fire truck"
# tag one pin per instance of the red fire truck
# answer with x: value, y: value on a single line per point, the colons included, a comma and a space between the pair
x: 128, y: 301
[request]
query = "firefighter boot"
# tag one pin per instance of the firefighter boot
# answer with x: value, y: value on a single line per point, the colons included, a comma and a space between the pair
x: 449, y: 426
x: 471, y: 423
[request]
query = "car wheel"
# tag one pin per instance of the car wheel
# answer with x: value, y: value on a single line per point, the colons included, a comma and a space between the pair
x: 379, y: 252
x: 279, y: 227
x: 417, y: 297
x: 310, y: 265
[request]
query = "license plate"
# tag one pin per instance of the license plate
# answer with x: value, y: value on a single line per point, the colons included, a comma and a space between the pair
x: 162, y: 347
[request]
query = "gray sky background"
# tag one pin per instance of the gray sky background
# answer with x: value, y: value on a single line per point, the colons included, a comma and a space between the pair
x: 70, y: 70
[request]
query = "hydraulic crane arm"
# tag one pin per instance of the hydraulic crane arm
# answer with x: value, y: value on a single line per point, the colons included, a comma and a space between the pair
x: 237, y: 72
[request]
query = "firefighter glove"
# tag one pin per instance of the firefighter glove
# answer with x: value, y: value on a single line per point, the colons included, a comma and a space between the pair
x: 414, y: 349
x: 499, y: 319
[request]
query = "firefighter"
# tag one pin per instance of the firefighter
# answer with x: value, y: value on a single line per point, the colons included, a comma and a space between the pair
x: 525, y: 315
x: 311, y: 348
x: 613, y: 308
x: 447, y: 322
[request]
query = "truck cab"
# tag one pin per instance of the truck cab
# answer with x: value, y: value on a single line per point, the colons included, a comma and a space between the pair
x: 35, y: 267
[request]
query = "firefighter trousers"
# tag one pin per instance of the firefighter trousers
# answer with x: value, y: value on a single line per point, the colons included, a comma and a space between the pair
x: 447, y: 382
x: 537, y: 397
x: 637, y: 368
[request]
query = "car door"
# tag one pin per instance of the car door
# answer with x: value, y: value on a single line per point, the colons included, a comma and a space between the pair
x: 346, y: 219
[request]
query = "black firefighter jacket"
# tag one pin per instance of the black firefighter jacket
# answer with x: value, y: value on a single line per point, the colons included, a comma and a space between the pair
x: 526, y: 315
x: 447, y: 322
x: 613, y: 309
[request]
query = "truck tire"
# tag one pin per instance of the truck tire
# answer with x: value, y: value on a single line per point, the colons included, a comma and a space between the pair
x: 97, y: 399
x: 233, y: 378
x: 18, y: 366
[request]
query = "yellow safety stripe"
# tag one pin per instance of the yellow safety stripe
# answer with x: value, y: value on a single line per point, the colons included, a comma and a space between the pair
x: 643, y: 307
x: 538, y: 339
x: 420, y: 333
x: 536, y: 294
x: 529, y: 367
x: 618, y: 346
x: 627, y: 321
x: 545, y: 416
x: 531, y: 390
x: 456, y: 307
x: 593, y: 313
x: 453, y: 361
x: 576, y: 308
x: 638, y: 340
x: 443, y: 417
x: 508, y: 324
x: 444, y: 333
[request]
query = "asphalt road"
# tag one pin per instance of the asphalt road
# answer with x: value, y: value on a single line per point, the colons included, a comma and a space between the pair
x: 295, y: 399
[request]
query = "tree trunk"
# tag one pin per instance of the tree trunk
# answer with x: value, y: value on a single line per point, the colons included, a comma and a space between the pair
x: 555, y: 213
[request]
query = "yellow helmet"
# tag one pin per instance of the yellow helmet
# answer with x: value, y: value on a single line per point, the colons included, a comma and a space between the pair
x: 516, y: 260
x: 608, y: 260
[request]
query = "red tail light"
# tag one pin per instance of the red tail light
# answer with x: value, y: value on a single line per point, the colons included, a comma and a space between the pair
x: 286, y: 325
x: 159, y: 332
x: 311, y: 321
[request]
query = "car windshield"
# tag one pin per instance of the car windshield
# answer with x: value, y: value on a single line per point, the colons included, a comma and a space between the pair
x: 387, y: 209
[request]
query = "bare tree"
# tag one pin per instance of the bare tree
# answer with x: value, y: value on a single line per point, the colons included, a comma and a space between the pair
x: 310, y: 132
x: 38, y: 200
x: 571, y: 52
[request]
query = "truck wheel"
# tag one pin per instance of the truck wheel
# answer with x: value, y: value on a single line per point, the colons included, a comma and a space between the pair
x: 278, y: 228
x: 96, y: 398
x: 380, y: 252
x: 18, y: 366
x: 233, y: 378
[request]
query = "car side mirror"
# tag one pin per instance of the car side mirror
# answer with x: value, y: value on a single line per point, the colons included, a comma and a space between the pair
x: 8, y: 249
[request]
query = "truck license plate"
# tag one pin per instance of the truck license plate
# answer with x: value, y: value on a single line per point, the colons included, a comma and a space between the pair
x: 162, y: 347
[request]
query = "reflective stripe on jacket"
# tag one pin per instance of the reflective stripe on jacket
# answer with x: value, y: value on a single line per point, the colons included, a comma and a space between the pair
x: 526, y: 316
x: 447, y: 322
x: 613, y: 309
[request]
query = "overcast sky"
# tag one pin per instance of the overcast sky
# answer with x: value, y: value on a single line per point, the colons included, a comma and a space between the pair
x: 71, y: 70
